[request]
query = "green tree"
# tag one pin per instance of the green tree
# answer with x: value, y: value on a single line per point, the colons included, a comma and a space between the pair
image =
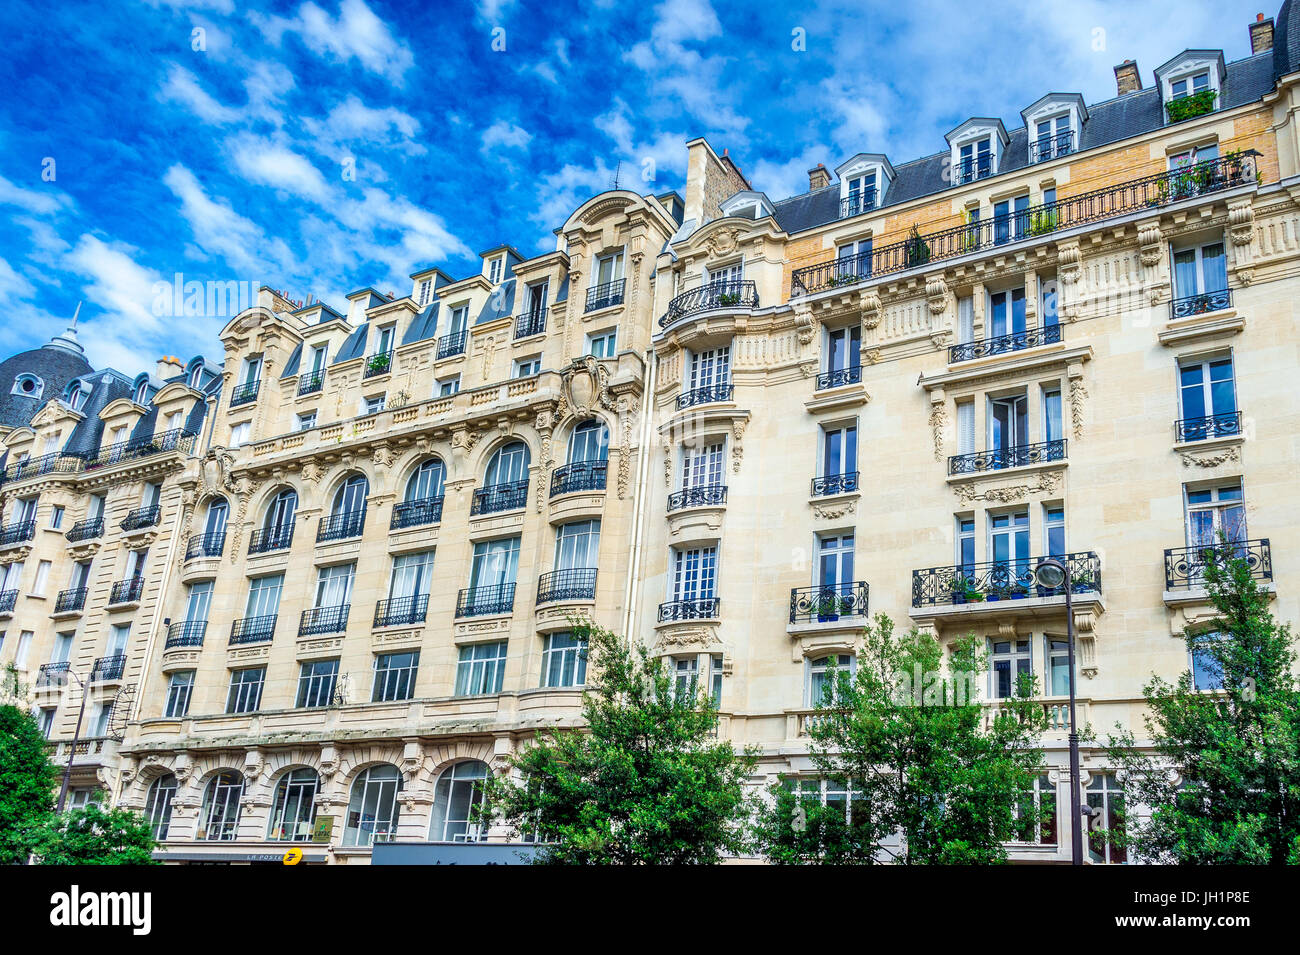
x: 1235, y: 798
x: 94, y: 835
x: 27, y: 780
x: 916, y: 755
x: 646, y: 782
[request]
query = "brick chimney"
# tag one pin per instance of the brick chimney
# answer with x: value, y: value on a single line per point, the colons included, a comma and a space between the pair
x: 1127, y: 78
x: 818, y: 177
x: 1261, y: 34
x: 169, y: 366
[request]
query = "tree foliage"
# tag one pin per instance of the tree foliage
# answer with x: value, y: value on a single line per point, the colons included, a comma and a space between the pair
x: 94, y: 835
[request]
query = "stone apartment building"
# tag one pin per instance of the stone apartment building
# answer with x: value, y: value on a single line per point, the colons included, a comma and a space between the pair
x: 731, y: 426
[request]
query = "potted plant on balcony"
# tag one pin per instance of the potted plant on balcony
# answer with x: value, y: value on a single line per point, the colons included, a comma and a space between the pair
x: 1082, y: 582
x: 916, y: 250
x: 728, y: 299
x: 965, y: 591
x: 377, y: 364
x: 1188, y: 106
x: 1044, y: 221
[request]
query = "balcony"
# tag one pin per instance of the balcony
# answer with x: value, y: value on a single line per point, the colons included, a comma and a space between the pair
x: 605, y: 296
x: 56, y: 462
x: 705, y: 395
x: 1016, y: 456
x: 1136, y: 195
x: 72, y: 600
x: 141, y: 518
x: 839, y: 377
x: 451, y: 344
x: 174, y: 440
x: 828, y: 484
x: 53, y: 674
x: 320, y: 620
x: 485, y: 601
x: 17, y: 532
x: 1002, y: 344
x: 704, y: 495
x: 1190, y: 306
x: 8, y: 600
x: 380, y: 364
x: 186, y: 633
x: 695, y: 608
x: 530, y: 323
x: 856, y: 203
x: 1051, y: 147
x: 995, y: 581
x: 253, y: 629
x: 1226, y: 425
x: 243, y: 394
x: 731, y: 293
x: 567, y: 585
x: 126, y: 591
x: 205, y: 545
x: 1185, y: 566
x: 85, y: 530
x: 267, y: 539
x: 341, y: 526
x: 402, y: 611
x: 830, y: 604
x: 500, y: 497
x: 310, y: 382
x: 416, y: 513
x: 108, y: 668
x: 579, y: 476
x: 973, y: 170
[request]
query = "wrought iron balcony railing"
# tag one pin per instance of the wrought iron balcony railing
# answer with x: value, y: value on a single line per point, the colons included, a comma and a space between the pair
x: 1185, y: 566
x: 71, y: 600
x: 530, y: 323
x: 416, y: 513
x: 53, y: 674
x: 1044, y: 148
x: 142, y: 517
x: 972, y: 170
x: 482, y: 601
x: 17, y: 532
x: 243, y: 394
x: 276, y: 537
x: 606, y: 295
x: 109, y: 668
x: 835, y: 484
x: 694, y: 608
x: 579, y: 476
x: 451, y: 344
x: 1016, y: 341
x: 1227, y: 425
x: 8, y: 600
x: 55, y: 462
x: 829, y: 603
x: 992, y: 581
x: 175, y: 440
x: 401, y: 611
x: 728, y: 293
x: 840, y: 376
x: 317, y: 620
x: 571, y: 583
x: 856, y: 203
x: 1190, y: 305
x: 1018, y: 455
x: 126, y: 591
x: 205, y: 545
x: 186, y: 633
x: 341, y: 526
x: 500, y: 497
x: 310, y: 382
x: 705, y: 395
x: 85, y: 530
x: 378, y: 364
x: 253, y: 629
x: 918, y: 250
x: 703, y: 495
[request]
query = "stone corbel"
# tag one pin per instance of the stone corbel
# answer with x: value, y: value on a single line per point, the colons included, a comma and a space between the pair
x: 870, y: 309
x: 804, y: 322
x: 668, y: 464
x: 936, y: 292
x: 1241, y: 230
x: 938, y: 421
x: 1085, y: 641
x: 737, y: 450
x: 1078, y: 394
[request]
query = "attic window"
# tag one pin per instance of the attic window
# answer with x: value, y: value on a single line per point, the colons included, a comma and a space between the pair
x: 196, y: 376
x: 142, y: 392
x: 425, y: 286
x: 1189, y: 85
x: 77, y: 396
x: 1053, y: 137
x: 494, y: 269
x: 28, y: 386
x: 975, y: 161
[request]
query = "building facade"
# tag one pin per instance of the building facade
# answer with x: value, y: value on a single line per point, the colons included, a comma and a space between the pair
x: 733, y: 427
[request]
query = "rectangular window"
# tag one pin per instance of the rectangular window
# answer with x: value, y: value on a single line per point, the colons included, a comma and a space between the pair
x: 459, y: 320
x: 62, y: 650
x: 702, y: 466
x: 609, y: 268
x: 316, y: 682
x: 395, y: 676
x: 844, y: 348
x: 1207, y: 672
x: 448, y: 386
x: 99, y: 722
x: 24, y: 648
x: 42, y: 578
x: 481, y: 670
x: 373, y: 404
x: 834, y: 561
x: 966, y: 541
x: 1106, y: 805
x: 496, y: 268
x: 264, y: 596
x: 839, y: 450
x: 412, y: 575
x: 180, y: 689
x: 577, y: 545
x: 1052, y: 413
x: 1200, y: 270
x: 56, y: 517
x: 564, y: 661
x: 710, y: 368
x: 1007, y: 313
x: 1214, y: 513
x: 694, y: 573
x: 117, y: 636
x: 527, y: 367
x: 1189, y: 85
x: 240, y: 434
x: 1008, y: 422
x: 47, y: 721
x: 307, y: 421
x: 686, y: 677
x: 245, y: 694
x: 1009, y: 543
x: 1205, y: 389
x: 1039, y: 803
x: 853, y: 260
x: 1008, y: 660
x: 1058, y: 667
x: 824, y: 673
x: 602, y: 344
x: 1054, y: 529
x: 1011, y: 220
x: 425, y: 288
x: 334, y: 585
x: 965, y: 320
x: 494, y: 563
x: 966, y: 427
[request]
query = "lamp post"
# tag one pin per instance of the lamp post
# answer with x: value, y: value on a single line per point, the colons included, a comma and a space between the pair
x: 1053, y: 574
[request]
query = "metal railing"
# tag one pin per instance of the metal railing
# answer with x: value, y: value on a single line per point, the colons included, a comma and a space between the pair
x: 571, y: 583
x: 605, y: 296
x: 918, y: 250
x: 702, y: 495
x: 71, y: 600
x: 1015, y: 456
x: 126, y: 591
x: 402, y: 611
x: 380, y: 363
x: 8, y: 600
x: 243, y: 394
x: 142, y: 517
x: 1225, y: 425
x: 991, y: 581
x: 844, y: 483
x: 109, y: 668
x: 310, y: 382
x: 695, y: 608
x: 205, y: 545
x: 829, y: 603
x: 416, y: 513
x: 1002, y: 344
x: 186, y: 633
x: 856, y: 203
x: 55, y: 462
x: 276, y: 537
x: 342, y: 525
x: 175, y: 440
x: 318, y: 620
x: 1200, y: 304
x: 500, y: 497
x: 705, y: 395
x: 1044, y: 148
x: 17, y: 532
x: 974, y: 169
x: 1185, y: 566
x: 579, y: 476
x: 530, y: 323
x: 728, y: 293
x: 840, y: 376
x: 482, y: 601
x: 253, y: 629
x: 85, y: 530
x: 53, y: 674
x: 451, y: 344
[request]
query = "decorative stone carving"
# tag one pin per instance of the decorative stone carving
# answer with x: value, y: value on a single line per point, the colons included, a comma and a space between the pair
x: 668, y: 464
x: 383, y: 455
x: 1206, y: 459
x: 682, y: 637
x: 938, y: 424
x: 936, y: 291
x: 804, y: 322
x: 723, y: 242
x: 585, y: 386
x: 1049, y: 482
x: 831, y: 512
x: 1151, y: 239
x: 871, y: 309
x: 737, y: 450
x: 1241, y: 222
x: 1078, y: 394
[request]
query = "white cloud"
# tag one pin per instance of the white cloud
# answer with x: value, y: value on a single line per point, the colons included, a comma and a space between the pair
x: 356, y: 33
x: 266, y: 163
x: 352, y: 121
x: 181, y: 86
x: 491, y: 11
x: 13, y: 287
x: 46, y: 200
x: 505, y: 135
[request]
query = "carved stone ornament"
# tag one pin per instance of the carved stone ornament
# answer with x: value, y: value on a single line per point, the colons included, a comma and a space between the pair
x: 723, y: 242
x: 313, y: 472
x: 832, y: 512
x: 1048, y: 482
x: 682, y: 637
x: 936, y: 291
x: 584, y: 387
x: 1206, y: 459
x: 938, y: 424
x: 1151, y: 239
x: 870, y: 309
x: 1078, y: 394
x: 737, y: 450
x: 804, y: 323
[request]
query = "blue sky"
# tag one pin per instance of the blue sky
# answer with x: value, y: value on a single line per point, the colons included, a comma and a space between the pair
x: 324, y: 146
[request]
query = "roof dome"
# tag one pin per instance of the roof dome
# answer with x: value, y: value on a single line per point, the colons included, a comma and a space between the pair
x: 31, y: 378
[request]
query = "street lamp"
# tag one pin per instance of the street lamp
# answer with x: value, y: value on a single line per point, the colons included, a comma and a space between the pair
x: 1053, y: 574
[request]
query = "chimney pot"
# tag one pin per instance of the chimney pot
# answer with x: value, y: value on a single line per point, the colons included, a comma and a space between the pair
x: 818, y: 177
x: 1261, y: 35
x: 1127, y: 78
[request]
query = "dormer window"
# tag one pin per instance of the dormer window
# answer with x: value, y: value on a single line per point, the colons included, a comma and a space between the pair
x: 862, y: 193
x: 196, y: 376
x: 746, y: 205
x: 77, y: 396
x: 142, y: 392
x: 864, y: 180
x: 976, y: 161
x: 495, y: 269
x: 1189, y: 85
x: 426, y: 288
x: 1052, y: 138
x: 1054, y: 125
x: 28, y: 386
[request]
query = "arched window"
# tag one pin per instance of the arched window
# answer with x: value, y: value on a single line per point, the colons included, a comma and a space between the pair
x: 158, y: 805
x: 196, y: 375
x: 459, y: 791
x: 280, y: 513
x: 347, y: 516
x: 508, y: 464
x: 589, y: 442
x: 142, y: 392
x: 372, y: 810
x: 76, y: 394
x: 293, y: 811
x: 219, y: 820
x: 426, y: 483
x: 218, y: 510
x: 351, y: 497
x: 28, y: 385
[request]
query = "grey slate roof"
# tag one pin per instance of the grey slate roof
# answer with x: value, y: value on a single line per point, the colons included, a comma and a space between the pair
x: 54, y: 366
x: 106, y: 387
x: 500, y: 303
x: 424, y: 326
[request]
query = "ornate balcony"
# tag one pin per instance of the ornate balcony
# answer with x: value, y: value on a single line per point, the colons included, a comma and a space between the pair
x: 1016, y: 341
x: 341, y: 526
x: 243, y: 394
x: 378, y: 364
x: 1226, y: 425
x: 829, y: 604
x: 579, y: 476
x: 1185, y: 566
x: 72, y: 600
x: 85, y: 530
x: 484, y: 601
x: 500, y: 497
x: 1191, y: 305
x: 706, y: 395
x: 569, y: 584
x: 993, y: 581
x: 109, y: 668
x: 1044, y: 148
x: 401, y: 611
x: 416, y: 513
x: 839, y: 377
x: 319, y: 620
x: 253, y: 629
x: 141, y: 518
x: 55, y: 462
x: 310, y: 382
x: 972, y: 170
x: 605, y: 296
x: 53, y: 674
x: 1016, y: 456
x: 729, y: 293
x: 704, y: 495
x: 175, y: 440
x: 530, y: 323
x: 856, y: 203
x: 17, y: 532
x: 8, y: 600
x: 452, y: 344
x: 845, y: 483
x: 186, y: 633
x: 126, y: 591
x: 205, y: 545
x: 277, y: 537
x: 696, y: 608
